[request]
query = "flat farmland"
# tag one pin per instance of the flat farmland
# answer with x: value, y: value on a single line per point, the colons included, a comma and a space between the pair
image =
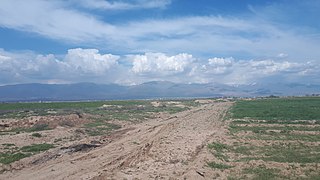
x: 272, y: 138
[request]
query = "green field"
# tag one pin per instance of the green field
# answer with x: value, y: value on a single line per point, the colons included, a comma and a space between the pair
x: 304, y: 108
x: 266, y: 132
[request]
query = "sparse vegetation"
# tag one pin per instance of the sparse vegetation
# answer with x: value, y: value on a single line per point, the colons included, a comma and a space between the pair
x: 122, y: 110
x: 98, y: 120
x: 37, y: 147
x: 257, y: 138
x: 218, y: 146
x: 38, y: 135
x: 218, y: 165
x: 219, y: 150
x: 275, y: 130
x: 14, y: 153
x: 99, y: 127
x: 262, y: 173
x: 36, y: 127
x: 7, y: 158
x: 258, y: 127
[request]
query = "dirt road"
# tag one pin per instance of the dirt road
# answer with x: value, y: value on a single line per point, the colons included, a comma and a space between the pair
x: 169, y: 148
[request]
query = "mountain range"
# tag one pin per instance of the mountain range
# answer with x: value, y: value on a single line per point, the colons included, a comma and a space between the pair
x: 149, y: 90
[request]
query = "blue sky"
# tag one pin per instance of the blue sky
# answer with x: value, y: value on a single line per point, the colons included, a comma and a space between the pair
x: 184, y: 41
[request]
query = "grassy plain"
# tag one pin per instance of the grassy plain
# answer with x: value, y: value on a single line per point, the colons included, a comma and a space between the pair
x: 127, y: 109
x: 276, y: 138
x: 300, y: 108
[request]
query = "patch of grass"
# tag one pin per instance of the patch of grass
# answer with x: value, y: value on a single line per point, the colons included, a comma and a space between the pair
x: 99, y: 127
x: 37, y: 147
x: 218, y: 146
x: 306, y: 108
x: 233, y: 178
x: 292, y: 153
x: 286, y: 153
x: 262, y: 173
x: 38, y: 135
x: 219, y: 150
x: 94, y: 124
x: 95, y: 132
x: 121, y: 116
x: 221, y: 156
x: 257, y: 128
x: 39, y: 127
x: 8, y: 144
x: 191, y: 103
x: 34, y: 128
x: 7, y: 158
x: 245, y: 150
x: 313, y: 177
x: 113, y: 126
x: 218, y: 165
x: 284, y: 136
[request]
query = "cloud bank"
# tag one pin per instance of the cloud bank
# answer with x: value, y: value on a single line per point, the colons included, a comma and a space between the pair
x: 80, y: 65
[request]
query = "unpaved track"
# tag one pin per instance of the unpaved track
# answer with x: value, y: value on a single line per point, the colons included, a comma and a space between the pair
x: 172, y: 148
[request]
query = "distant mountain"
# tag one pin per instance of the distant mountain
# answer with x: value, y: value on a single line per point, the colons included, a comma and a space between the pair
x: 60, y: 92
x: 154, y: 89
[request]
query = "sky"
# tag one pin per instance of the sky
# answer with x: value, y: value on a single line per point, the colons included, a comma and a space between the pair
x: 130, y: 42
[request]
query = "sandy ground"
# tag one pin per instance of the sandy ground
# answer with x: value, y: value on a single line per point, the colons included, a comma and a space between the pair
x: 162, y: 148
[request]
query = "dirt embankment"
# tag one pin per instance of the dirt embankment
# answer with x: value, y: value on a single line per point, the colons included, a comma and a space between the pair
x: 174, y: 148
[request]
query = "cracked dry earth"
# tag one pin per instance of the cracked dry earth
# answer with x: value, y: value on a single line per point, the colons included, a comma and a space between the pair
x: 170, y: 148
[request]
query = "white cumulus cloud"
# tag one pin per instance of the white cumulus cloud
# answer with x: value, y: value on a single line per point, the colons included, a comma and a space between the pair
x: 77, y: 65
x: 90, y: 60
x: 161, y: 63
x: 221, y: 61
x: 90, y: 65
x: 219, y: 65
